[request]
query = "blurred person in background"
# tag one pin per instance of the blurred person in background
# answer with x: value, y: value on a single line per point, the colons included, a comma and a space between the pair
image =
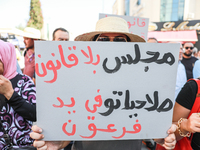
x: 20, y: 58
x: 181, y: 77
x: 198, y: 54
x: 195, y: 52
x: 152, y: 40
x: 60, y: 34
x: 196, y: 69
x: 31, y: 35
x: 188, y: 60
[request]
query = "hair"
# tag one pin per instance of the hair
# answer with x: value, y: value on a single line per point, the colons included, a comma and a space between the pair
x: 128, y: 39
x: 187, y: 42
x: 152, y: 38
x: 61, y: 29
x: 195, y: 50
x: 95, y: 37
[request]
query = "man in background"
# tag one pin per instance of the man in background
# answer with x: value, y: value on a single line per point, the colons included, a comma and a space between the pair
x: 188, y: 60
x: 60, y: 34
x: 195, y: 52
x: 152, y: 40
x: 181, y: 78
x: 30, y: 35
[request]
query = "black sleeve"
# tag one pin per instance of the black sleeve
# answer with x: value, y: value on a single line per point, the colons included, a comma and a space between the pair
x: 25, y: 52
x: 34, y: 74
x: 187, y: 95
x: 22, y: 107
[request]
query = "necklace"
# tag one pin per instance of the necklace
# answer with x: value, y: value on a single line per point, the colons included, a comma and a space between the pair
x: 30, y: 57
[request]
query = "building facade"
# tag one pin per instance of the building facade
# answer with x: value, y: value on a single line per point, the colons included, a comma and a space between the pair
x: 169, y: 20
x: 159, y: 10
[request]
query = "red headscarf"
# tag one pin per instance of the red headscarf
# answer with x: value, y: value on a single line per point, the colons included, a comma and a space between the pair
x: 8, y: 58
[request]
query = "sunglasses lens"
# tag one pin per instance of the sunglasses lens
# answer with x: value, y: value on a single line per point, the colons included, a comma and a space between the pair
x: 103, y: 39
x: 116, y: 39
x: 189, y: 48
x: 119, y: 39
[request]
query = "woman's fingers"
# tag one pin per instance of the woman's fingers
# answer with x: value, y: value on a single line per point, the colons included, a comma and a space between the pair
x: 170, y: 141
x: 36, y: 134
x: 36, y: 129
x: 172, y: 129
x: 40, y: 145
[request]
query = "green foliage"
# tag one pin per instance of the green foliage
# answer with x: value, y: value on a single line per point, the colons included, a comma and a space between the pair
x: 36, y: 17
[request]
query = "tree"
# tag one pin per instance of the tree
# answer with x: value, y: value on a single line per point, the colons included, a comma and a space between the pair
x: 36, y: 17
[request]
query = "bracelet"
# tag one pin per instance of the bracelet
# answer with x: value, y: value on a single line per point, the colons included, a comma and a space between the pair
x: 179, y: 130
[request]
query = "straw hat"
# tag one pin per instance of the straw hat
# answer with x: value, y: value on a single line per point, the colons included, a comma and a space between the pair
x: 32, y: 33
x: 110, y: 25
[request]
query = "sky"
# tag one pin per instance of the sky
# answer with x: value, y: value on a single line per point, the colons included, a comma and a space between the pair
x: 77, y: 16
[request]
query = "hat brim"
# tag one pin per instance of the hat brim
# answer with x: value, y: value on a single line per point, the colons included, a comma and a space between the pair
x: 90, y: 35
x: 28, y: 35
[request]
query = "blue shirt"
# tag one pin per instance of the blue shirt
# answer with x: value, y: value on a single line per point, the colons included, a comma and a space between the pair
x: 18, y: 68
x: 181, y: 78
x: 196, y: 69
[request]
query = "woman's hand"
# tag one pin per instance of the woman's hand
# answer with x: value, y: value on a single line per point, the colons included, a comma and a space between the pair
x: 6, y: 87
x: 45, y: 145
x: 170, y: 141
x: 192, y: 124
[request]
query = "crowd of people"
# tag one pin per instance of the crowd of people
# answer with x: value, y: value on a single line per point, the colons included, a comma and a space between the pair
x: 18, y: 93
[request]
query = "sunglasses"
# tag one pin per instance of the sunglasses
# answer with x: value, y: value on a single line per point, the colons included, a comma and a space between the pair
x: 189, y: 48
x: 114, y: 39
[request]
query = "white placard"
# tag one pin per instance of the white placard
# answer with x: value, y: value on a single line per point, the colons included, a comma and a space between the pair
x: 105, y: 90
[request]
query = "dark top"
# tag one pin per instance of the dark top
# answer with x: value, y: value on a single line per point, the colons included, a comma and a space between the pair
x: 108, y: 145
x: 189, y: 64
x: 187, y: 95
